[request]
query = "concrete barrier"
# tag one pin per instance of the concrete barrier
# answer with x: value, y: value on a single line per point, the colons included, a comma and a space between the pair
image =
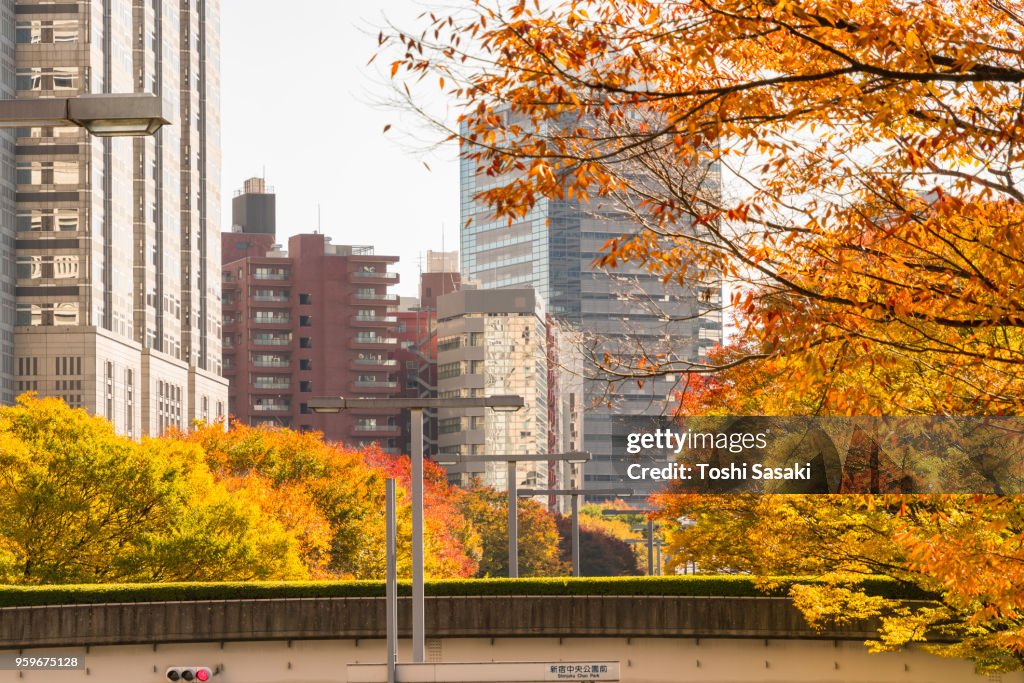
x: 446, y: 617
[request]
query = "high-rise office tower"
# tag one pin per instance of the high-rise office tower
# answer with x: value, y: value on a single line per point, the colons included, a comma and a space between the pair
x: 117, y: 239
x: 619, y: 311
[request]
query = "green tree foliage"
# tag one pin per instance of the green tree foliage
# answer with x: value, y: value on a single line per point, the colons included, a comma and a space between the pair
x: 601, y: 552
x: 538, y: 536
x: 80, y: 504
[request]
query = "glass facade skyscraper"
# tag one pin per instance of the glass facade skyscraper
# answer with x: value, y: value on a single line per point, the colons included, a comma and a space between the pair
x: 621, y: 310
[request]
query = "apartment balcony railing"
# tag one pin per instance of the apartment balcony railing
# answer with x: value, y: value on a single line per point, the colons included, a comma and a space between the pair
x: 378, y: 430
x: 375, y: 384
x: 376, y: 362
x: 271, y: 363
x: 272, y: 407
x: 274, y: 275
x: 271, y: 299
x: 271, y: 385
x: 375, y: 275
x: 370, y: 321
x: 363, y: 296
x: 270, y: 341
x: 374, y: 341
x: 275, y: 320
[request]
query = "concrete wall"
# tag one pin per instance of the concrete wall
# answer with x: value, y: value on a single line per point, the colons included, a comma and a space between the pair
x: 642, y: 660
x: 497, y: 616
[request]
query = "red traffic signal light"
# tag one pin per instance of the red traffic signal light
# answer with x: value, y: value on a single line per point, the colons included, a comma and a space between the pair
x: 189, y: 674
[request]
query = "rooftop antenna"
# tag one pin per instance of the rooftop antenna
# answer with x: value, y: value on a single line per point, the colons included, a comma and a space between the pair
x: 319, y: 223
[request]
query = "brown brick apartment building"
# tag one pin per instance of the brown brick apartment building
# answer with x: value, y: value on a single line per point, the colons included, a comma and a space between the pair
x: 314, y: 320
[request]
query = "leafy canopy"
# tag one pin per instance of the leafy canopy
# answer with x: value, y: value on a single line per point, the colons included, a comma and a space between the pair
x: 870, y: 150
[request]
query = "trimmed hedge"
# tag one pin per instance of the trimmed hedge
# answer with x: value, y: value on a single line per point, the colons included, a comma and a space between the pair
x: 732, y: 586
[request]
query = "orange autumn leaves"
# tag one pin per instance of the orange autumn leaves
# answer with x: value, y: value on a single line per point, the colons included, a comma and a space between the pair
x: 81, y: 504
x: 964, y: 553
x: 869, y: 216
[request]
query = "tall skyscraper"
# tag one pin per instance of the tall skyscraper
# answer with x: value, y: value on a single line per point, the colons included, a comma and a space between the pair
x: 117, y: 239
x: 619, y: 311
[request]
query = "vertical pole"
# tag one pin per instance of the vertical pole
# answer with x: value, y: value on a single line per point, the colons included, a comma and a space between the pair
x: 418, y: 644
x: 513, y: 522
x: 650, y: 547
x: 391, y: 585
x: 659, y: 558
x: 575, y: 534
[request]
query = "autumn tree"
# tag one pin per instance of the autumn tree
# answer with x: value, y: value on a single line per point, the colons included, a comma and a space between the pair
x: 602, y: 551
x: 78, y: 503
x: 870, y: 152
x: 964, y: 551
x: 487, y: 509
x: 332, y: 498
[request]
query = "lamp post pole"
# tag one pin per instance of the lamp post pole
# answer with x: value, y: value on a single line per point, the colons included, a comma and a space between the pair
x: 576, y: 493
x: 513, y: 521
x: 575, y: 534
x: 650, y: 547
x: 416, y: 407
x: 391, y: 587
x: 418, y: 621
x: 510, y: 460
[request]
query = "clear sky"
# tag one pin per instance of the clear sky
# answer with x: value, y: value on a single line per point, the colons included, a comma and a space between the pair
x: 298, y: 104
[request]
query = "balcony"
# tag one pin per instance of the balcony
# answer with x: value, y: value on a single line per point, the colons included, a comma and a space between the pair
x: 258, y: 340
x: 261, y: 384
x: 271, y: 320
x: 361, y: 342
x: 268, y: 407
x: 364, y: 299
x: 275, y: 275
x: 361, y: 385
x: 271, y: 363
x: 374, y: 363
x: 374, y: 276
x: 374, y: 321
x: 377, y: 430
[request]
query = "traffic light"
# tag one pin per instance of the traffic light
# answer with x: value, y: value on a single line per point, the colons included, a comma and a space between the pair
x: 189, y: 674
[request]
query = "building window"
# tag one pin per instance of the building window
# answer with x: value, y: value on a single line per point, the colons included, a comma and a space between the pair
x: 47, y: 79
x: 305, y: 364
x: 47, y: 220
x: 449, y: 370
x: 47, y: 173
x: 305, y: 342
x: 47, y: 32
x: 305, y: 386
x: 449, y: 426
x: 305, y: 321
x: 47, y: 315
x: 110, y: 390
x: 305, y: 299
x: 304, y: 409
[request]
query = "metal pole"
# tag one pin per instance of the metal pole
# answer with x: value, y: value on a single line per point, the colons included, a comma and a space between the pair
x: 418, y: 644
x: 575, y: 534
x: 659, y: 559
x: 391, y: 585
x: 513, y: 522
x: 650, y: 547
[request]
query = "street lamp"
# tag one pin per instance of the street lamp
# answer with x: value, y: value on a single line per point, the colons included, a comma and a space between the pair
x: 574, y: 458
x: 576, y: 493
x: 416, y: 406
x: 103, y: 115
